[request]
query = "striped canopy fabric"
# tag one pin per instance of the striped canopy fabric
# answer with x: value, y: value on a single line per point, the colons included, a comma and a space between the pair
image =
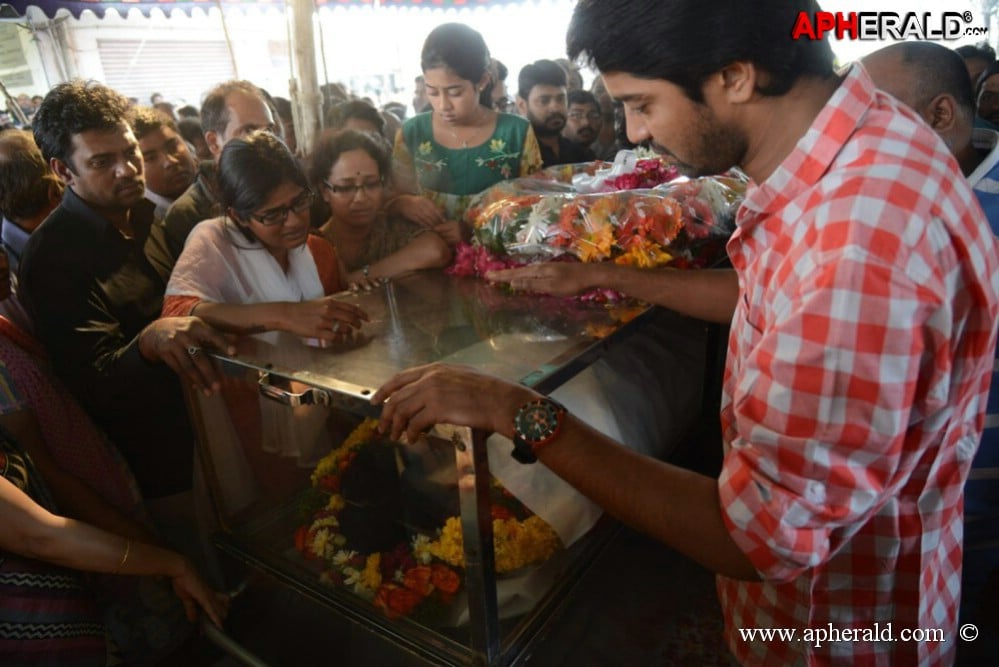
x: 14, y: 8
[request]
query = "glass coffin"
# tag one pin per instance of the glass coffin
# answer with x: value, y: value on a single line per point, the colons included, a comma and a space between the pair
x: 445, y: 546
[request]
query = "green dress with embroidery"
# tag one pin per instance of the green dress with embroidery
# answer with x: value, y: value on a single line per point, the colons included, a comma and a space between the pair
x: 451, y: 176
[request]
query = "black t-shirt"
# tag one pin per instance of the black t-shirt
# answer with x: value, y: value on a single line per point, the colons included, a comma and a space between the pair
x: 568, y: 153
x: 90, y: 292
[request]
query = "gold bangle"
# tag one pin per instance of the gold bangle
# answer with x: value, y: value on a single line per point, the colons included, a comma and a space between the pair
x: 124, y: 557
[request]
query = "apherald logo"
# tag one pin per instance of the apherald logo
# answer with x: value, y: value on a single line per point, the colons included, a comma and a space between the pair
x: 885, y: 25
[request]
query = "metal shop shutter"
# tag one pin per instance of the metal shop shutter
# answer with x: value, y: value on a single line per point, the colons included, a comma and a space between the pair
x: 182, y: 71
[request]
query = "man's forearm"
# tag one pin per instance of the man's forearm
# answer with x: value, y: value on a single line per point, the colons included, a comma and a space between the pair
x: 706, y: 294
x: 676, y: 506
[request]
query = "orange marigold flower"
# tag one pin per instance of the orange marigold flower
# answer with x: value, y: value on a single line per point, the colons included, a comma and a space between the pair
x: 445, y: 579
x: 417, y: 579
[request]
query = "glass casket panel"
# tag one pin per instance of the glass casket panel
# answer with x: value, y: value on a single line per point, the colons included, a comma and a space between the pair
x: 417, y: 540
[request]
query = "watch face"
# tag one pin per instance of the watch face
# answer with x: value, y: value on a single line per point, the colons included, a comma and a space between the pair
x: 537, y: 422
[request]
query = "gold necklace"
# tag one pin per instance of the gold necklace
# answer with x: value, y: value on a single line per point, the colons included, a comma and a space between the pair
x: 475, y: 129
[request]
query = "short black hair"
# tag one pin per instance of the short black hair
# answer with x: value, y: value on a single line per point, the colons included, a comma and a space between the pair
x: 190, y: 128
x: 582, y: 97
x: 74, y: 107
x: 146, y: 119
x: 460, y: 49
x: 980, y: 51
x: 251, y: 167
x: 215, y: 113
x: 188, y: 111
x: 539, y: 73
x: 685, y: 41
x: 341, y: 113
x: 334, y: 143
x: 283, y: 107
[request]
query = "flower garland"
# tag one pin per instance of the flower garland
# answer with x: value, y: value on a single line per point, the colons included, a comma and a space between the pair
x: 424, y: 572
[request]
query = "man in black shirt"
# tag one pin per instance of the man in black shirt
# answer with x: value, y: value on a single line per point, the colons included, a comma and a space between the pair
x: 96, y: 300
x: 541, y: 98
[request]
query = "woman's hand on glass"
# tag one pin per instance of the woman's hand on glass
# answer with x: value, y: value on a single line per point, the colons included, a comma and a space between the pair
x: 325, y: 318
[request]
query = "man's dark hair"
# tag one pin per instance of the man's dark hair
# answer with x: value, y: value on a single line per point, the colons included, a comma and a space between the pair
x: 145, y: 120
x: 215, y: 113
x: 981, y: 51
x: 940, y: 70
x: 188, y: 111
x: 583, y: 97
x: 190, y: 129
x: 283, y: 107
x: 333, y: 144
x: 341, y: 113
x: 25, y: 178
x: 461, y: 50
x: 685, y: 41
x: 251, y: 167
x: 539, y: 73
x: 74, y: 107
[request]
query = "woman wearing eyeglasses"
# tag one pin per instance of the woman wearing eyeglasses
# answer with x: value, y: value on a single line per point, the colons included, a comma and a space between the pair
x: 350, y: 169
x: 257, y: 268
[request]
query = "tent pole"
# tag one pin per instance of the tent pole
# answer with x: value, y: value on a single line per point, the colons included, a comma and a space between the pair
x: 228, y: 40
x: 305, y: 88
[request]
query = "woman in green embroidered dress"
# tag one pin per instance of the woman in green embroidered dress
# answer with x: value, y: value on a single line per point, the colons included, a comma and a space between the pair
x: 461, y: 147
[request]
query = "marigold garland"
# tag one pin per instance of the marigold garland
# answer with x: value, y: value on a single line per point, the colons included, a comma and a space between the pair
x: 399, y: 582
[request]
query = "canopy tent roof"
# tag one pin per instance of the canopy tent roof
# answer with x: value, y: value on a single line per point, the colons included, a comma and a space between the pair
x: 15, y: 8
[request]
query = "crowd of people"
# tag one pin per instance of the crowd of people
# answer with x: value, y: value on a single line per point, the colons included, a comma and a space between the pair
x: 863, y: 299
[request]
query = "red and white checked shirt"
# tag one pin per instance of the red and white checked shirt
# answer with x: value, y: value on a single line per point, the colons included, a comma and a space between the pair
x: 858, y: 366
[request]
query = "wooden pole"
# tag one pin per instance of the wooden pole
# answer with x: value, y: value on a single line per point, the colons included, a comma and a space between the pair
x: 306, y: 99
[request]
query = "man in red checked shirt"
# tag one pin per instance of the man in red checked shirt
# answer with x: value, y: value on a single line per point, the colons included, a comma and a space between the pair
x: 862, y: 307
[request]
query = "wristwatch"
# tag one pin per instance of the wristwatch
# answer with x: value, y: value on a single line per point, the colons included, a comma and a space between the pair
x: 534, y: 426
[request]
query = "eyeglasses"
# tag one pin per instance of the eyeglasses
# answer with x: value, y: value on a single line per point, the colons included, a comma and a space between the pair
x: 580, y: 115
x: 350, y: 191
x: 279, y: 215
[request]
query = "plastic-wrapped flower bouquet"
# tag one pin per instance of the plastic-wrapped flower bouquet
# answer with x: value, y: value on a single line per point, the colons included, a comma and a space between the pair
x: 679, y: 222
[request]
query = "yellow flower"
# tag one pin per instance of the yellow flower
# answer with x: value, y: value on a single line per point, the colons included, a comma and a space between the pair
x: 371, y: 577
x: 645, y: 255
x: 330, y: 464
x: 425, y: 148
x: 497, y: 145
x: 596, y: 246
x: 516, y: 544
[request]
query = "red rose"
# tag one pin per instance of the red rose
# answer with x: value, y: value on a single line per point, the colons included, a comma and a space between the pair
x: 395, y: 601
x: 417, y: 579
x: 444, y: 579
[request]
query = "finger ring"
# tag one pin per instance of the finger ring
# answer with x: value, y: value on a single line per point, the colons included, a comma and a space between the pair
x: 194, y: 350
x: 336, y: 327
